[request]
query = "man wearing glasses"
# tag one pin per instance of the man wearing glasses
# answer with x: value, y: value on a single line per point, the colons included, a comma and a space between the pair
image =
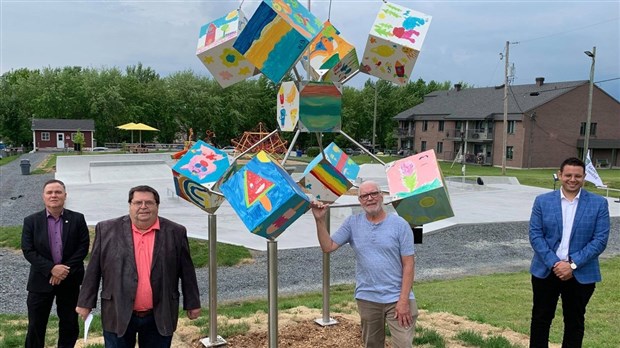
x: 140, y: 259
x: 384, y: 253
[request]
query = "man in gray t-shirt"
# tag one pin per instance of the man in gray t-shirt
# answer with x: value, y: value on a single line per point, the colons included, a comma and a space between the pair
x: 384, y: 253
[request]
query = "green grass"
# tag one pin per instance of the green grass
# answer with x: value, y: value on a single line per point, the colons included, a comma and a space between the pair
x: 8, y: 159
x: 500, y: 300
x: 475, y: 339
x: 11, y: 237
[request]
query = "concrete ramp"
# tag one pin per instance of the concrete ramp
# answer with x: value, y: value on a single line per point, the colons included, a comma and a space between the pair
x: 113, y: 168
x: 125, y: 171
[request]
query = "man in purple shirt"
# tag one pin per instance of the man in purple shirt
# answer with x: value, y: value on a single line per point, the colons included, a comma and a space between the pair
x: 55, y: 241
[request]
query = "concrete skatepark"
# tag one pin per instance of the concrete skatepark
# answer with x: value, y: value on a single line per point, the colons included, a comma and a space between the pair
x: 98, y: 187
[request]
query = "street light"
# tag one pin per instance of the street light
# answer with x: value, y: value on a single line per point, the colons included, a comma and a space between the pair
x: 374, y: 120
x: 586, y: 140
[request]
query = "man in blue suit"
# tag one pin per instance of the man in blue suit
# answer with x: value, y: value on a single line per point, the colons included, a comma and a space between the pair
x: 569, y: 229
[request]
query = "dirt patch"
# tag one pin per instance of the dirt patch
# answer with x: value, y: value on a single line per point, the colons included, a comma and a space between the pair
x: 297, y: 329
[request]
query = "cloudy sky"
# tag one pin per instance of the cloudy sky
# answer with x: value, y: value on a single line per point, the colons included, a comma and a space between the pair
x: 464, y: 42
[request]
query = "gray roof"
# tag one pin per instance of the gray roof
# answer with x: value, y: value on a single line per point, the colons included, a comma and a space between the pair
x: 481, y: 103
x: 56, y: 124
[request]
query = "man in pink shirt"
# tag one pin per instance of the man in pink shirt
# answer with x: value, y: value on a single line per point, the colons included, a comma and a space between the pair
x: 140, y: 259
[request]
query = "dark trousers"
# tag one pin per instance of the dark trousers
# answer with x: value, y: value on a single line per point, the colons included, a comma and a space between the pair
x: 575, y: 298
x: 39, y: 308
x: 145, y: 328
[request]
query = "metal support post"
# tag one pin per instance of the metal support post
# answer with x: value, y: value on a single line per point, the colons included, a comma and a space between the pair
x: 209, y: 341
x: 272, y: 270
x: 326, y: 320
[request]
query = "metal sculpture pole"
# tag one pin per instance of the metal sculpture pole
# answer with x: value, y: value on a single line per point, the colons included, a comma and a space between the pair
x: 326, y: 320
x: 272, y: 270
x: 362, y: 147
x: 213, y: 340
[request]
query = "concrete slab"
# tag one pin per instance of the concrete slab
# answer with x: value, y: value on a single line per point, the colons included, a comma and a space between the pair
x: 105, y: 197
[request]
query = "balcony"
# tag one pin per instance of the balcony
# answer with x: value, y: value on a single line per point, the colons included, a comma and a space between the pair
x: 472, y: 135
x: 403, y: 132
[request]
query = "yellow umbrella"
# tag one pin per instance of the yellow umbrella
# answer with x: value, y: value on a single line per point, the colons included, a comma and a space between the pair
x: 127, y: 126
x: 139, y: 127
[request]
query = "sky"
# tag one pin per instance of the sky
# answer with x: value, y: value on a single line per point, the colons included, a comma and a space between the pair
x: 463, y: 44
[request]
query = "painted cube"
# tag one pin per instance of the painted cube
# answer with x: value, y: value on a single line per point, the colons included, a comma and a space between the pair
x: 394, y: 43
x: 277, y: 35
x: 320, y: 105
x: 215, y: 49
x: 419, y: 193
x: 199, y: 174
x: 265, y: 197
x: 288, y: 106
x: 331, y: 57
x: 339, y: 160
x: 324, y: 181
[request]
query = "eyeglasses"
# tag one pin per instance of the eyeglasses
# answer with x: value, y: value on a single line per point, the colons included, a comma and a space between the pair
x: 138, y: 204
x: 373, y: 195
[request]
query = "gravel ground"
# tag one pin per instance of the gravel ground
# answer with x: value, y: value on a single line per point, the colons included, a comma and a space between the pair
x: 449, y: 253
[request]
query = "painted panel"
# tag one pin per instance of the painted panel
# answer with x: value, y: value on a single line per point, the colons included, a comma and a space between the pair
x: 265, y: 197
x: 331, y: 57
x: 215, y: 49
x: 276, y: 36
x: 418, y: 190
x: 288, y: 106
x: 394, y: 43
x: 325, y: 182
x: 199, y: 174
x: 320, y: 105
x: 339, y: 160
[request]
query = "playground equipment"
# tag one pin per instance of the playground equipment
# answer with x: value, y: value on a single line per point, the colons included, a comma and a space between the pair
x: 272, y: 41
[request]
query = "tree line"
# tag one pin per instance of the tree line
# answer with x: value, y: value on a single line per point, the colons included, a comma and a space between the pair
x: 183, y: 100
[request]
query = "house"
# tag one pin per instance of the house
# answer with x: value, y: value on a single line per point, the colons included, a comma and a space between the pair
x: 545, y: 123
x: 52, y: 133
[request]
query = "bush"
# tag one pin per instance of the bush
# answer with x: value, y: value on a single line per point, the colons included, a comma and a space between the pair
x: 313, y: 151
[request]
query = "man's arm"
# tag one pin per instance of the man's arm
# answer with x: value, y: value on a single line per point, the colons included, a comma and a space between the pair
x: 537, y: 236
x: 319, y: 211
x: 39, y: 263
x: 189, y: 283
x: 402, y: 311
x: 597, y: 244
x: 90, y: 285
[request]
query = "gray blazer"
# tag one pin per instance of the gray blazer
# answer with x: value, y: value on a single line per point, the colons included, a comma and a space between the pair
x: 112, y: 261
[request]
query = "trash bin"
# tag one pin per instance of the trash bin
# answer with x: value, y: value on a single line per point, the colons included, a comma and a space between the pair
x: 25, y: 164
x: 299, y: 153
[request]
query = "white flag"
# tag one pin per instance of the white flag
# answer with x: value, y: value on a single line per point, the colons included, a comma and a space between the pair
x: 591, y: 173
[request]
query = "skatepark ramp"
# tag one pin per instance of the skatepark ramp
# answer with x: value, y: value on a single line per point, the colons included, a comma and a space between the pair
x: 113, y: 168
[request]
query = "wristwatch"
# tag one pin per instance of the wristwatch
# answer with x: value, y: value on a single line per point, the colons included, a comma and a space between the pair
x: 573, y: 265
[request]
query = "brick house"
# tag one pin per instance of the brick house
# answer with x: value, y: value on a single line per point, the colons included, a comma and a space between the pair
x: 546, y: 123
x: 52, y: 133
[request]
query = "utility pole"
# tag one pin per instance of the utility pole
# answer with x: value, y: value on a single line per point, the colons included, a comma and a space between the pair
x: 505, y: 133
x: 586, y: 141
x: 374, y: 119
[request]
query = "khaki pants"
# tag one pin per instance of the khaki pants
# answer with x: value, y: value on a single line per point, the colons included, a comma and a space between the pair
x: 375, y: 315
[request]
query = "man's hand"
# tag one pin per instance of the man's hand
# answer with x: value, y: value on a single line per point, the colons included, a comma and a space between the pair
x: 402, y: 312
x: 82, y: 312
x: 562, y: 270
x: 60, y: 271
x: 55, y: 280
x: 193, y: 313
x: 319, y: 209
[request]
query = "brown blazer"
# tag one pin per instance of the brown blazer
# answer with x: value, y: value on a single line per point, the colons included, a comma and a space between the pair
x: 36, y: 249
x: 112, y: 261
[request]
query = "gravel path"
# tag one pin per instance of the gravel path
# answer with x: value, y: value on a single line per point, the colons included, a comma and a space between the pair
x: 453, y: 252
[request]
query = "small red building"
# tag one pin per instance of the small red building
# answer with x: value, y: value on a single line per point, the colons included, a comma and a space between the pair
x: 50, y: 133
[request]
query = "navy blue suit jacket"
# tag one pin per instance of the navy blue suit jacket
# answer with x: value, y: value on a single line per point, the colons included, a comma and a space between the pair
x: 588, y: 236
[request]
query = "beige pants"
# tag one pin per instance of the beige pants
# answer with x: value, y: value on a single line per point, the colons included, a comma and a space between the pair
x: 375, y: 315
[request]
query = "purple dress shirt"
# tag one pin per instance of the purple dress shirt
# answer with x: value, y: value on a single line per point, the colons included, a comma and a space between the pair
x: 54, y: 232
